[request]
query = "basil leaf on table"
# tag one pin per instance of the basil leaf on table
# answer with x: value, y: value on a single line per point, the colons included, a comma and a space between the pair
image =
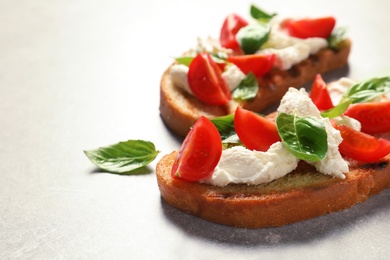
x: 247, y: 89
x: 367, y: 90
x: 123, y: 157
x: 305, y: 137
x: 259, y: 14
x: 253, y: 36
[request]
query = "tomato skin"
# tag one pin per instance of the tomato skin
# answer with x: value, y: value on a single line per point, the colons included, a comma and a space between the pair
x: 199, y: 153
x: 373, y: 116
x: 258, y: 64
x: 255, y: 132
x: 310, y: 27
x: 319, y: 94
x: 206, y: 82
x: 360, y: 146
x: 231, y: 25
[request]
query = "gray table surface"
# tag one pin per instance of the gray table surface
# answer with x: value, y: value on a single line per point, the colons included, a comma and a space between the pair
x: 77, y: 75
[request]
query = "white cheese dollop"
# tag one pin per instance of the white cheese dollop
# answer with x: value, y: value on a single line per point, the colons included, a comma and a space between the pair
x: 209, y: 45
x: 288, y: 56
x: 240, y: 165
x: 233, y: 76
x: 337, y: 88
x: 349, y: 121
x: 179, y: 78
x: 289, y: 50
x: 298, y: 102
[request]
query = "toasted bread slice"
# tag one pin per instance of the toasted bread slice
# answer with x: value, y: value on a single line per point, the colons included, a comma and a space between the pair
x: 300, y: 195
x: 180, y: 110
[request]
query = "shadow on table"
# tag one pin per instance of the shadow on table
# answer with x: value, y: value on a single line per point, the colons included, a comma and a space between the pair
x: 301, y: 232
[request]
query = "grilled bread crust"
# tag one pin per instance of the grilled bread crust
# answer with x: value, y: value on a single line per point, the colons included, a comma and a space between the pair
x: 300, y: 195
x: 180, y: 110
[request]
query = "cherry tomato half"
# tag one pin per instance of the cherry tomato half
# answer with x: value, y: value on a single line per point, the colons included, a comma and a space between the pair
x: 310, y: 27
x: 319, y: 94
x: 206, y: 82
x: 374, y: 116
x: 255, y: 132
x: 200, y: 152
x: 360, y: 146
x: 258, y: 64
x: 231, y: 25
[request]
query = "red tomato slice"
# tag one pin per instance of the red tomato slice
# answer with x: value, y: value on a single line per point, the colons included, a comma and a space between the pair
x: 374, y: 117
x: 255, y: 132
x: 232, y: 24
x: 319, y: 94
x: 361, y: 146
x: 206, y: 82
x: 200, y: 152
x: 259, y: 64
x: 310, y: 27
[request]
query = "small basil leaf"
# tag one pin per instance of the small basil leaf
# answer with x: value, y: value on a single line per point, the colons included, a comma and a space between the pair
x: 305, y: 137
x: 247, y: 89
x: 252, y: 36
x: 185, y: 60
x: 225, y: 125
x: 367, y: 90
x: 336, y: 38
x: 259, y: 14
x: 337, y: 110
x: 123, y: 157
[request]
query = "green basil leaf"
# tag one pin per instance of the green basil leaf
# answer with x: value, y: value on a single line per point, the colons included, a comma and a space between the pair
x: 259, y: 14
x: 305, y: 137
x: 252, y: 36
x: 225, y: 125
x: 336, y: 38
x: 367, y: 90
x: 123, y: 157
x: 337, y: 110
x: 247, y: 89
x: 185, y: 60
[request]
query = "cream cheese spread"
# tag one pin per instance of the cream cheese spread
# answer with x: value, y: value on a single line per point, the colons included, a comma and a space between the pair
x: 240, y: 165
x: 209, y: 45
x: 338, y: 88
x: 350, y: 122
